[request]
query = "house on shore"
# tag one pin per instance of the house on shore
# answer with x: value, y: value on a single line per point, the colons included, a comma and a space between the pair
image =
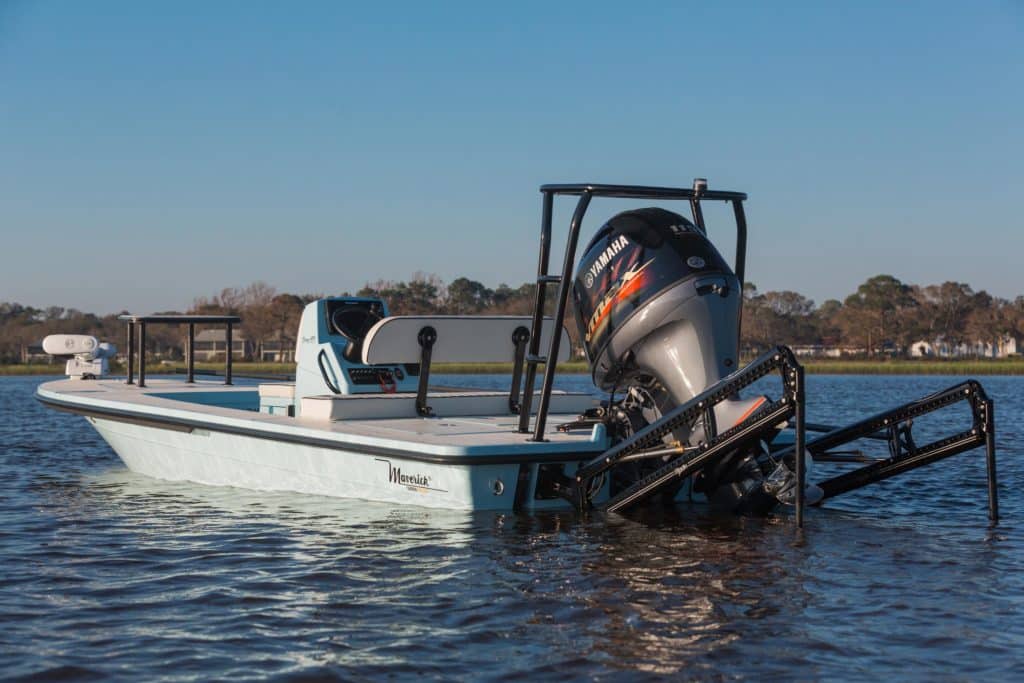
x: 1003, y: 348
x: 826, y: 350
x: 33, y: 353
x: 277, y: 349
x: 211, y: 345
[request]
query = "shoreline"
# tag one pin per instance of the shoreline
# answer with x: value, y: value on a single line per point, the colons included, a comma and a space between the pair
x: 1002, y: 366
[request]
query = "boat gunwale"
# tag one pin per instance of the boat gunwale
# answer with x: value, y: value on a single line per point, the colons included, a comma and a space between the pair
x: 182, y: 424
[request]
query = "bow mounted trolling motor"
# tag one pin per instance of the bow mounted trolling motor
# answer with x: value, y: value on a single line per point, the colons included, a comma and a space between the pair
x: 89, y: 357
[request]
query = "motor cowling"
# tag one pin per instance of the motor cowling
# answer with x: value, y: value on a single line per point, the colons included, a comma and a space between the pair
x: 657, y: 309
x: 655, y: 300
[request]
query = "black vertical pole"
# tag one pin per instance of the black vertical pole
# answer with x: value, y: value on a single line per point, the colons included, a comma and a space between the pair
x: 142, y: 354
x: 520, y: 340
x: 190, y: 349
x: 538, y: 312
x: 556, y: 324
x: 990, y: 461
x: 741, y: 240
x: 230, y: 350
x: 740, y: 265
x: 131, y: 352
x: 801, y: 476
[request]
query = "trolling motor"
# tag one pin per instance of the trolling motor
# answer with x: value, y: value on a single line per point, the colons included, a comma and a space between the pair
x: 658, y: 312
x: 89, y: 357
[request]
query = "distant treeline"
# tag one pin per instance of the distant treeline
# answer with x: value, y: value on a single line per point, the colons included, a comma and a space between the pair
x: 884, y: 315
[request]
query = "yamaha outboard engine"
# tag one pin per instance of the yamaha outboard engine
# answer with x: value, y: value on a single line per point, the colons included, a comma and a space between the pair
x: 657, y: 309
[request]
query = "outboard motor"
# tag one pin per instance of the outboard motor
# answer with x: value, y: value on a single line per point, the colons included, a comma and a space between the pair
x: 657, y: 309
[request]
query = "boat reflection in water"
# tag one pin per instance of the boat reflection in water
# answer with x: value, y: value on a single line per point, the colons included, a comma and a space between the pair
x: 375, y: 589
x: 664, y: 593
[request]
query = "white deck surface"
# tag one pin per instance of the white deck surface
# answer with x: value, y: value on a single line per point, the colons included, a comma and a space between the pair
x: 173, y: 398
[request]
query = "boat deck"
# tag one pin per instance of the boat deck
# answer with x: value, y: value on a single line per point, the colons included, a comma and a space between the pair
x: 211, y: 405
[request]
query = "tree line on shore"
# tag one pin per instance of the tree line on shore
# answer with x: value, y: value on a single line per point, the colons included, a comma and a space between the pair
x: 884, y: 315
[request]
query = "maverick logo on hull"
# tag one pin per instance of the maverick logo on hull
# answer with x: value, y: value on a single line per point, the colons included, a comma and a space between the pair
x: 603, y: 260
x: 411, y: 480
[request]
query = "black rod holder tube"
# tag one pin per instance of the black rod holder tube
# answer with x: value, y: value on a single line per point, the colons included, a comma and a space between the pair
x: 556, y: 324
x: 229, y: 354
x: 190, y: 349
x: 131, y: 353
x: 800, y: 426
x: 142, y: 355
x: 538, y: 312
x: 990, y: 460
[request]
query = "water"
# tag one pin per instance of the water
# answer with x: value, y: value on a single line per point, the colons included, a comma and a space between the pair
x: 108, y: 574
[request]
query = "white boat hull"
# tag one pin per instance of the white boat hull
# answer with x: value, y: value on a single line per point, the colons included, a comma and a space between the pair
x: 211, y: 434
x: 220, y: 459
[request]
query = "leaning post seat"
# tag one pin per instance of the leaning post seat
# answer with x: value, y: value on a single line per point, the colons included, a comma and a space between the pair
x: 423, y: 340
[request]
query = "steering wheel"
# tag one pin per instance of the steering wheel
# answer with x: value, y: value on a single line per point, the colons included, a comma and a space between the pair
x: 352, y: 323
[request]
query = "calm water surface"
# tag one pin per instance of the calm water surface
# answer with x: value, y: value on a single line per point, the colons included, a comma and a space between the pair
x: 107, y: 574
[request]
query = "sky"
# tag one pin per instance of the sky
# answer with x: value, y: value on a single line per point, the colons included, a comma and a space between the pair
x: 151, y: 153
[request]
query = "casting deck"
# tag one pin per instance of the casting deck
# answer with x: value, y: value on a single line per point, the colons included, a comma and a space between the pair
x: 211, y: 405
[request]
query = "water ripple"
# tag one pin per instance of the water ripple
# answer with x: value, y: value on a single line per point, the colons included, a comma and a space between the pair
x: 110, y: 575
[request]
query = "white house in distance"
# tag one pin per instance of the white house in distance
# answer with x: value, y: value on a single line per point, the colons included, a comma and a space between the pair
x: 211, y: 344
x: 1007, y: 346
x: 277, y: 350
x: 826, y: 350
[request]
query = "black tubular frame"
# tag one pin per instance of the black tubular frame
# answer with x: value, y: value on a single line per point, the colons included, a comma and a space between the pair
x: 586, y: 192
x: 141, y: 321
x: 717, y: 445
x: 904, y: 454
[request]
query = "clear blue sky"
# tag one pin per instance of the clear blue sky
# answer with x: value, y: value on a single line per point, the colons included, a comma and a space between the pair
x: 151, y: 153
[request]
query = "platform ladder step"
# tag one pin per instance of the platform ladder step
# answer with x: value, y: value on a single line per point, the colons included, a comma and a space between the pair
x: 548, y: 279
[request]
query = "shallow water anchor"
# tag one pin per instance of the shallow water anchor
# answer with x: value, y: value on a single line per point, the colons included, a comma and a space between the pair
x: 800, y: 426
x: 990, y: 460
x: 895, y: 426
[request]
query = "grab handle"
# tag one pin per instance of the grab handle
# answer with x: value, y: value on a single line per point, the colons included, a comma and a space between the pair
x: 323, y: 372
